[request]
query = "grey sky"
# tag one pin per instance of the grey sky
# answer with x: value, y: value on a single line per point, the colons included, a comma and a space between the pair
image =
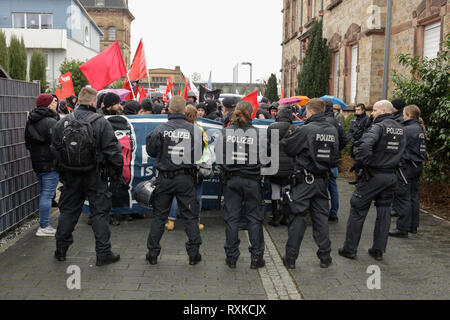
x: 204, y: 35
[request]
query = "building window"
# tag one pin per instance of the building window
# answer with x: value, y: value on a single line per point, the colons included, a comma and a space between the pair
x: 32, y: 21
x: 99, y: 3
x: 336, y: 74
x: 294, y: 15
x: 313, y: 9
x: 86, y: 36
x: 112, y: 33
x: 18, y: 20
x: 354, y: 74
x: 46, y: 21
x: 431, y: 41
x: 102, y: 37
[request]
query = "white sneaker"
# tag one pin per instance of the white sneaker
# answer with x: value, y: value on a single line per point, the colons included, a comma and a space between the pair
x: 46, y: 232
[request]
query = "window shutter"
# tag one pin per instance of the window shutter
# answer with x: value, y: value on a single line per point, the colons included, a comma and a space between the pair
x: 432, y: 40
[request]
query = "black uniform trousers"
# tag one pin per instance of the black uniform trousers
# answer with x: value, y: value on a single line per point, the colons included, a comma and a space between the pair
x: 315, y: 198
x: 243, y: 197
x: 76, y: 186
x: 182, y: 187
x: 408, y: 198
x: 381, y: 188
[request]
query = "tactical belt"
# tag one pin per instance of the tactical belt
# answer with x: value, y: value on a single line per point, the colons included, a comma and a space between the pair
x: 381, y: 170
x: 172, y: 174
x: 304, y: 176
x: 256, y: 177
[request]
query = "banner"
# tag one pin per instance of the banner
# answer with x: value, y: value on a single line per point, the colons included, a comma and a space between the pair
x: 66, y: 85
x: 131, y: 131
x: 206, y: 94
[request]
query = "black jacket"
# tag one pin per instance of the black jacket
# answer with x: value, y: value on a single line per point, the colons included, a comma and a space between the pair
x: 382, y: 146
x: 343, y: 140
x: 173, y: 139
x: 357, y: 127
x: 240, y: 144
x: 38, y: 136
x: 315, y: 145
x: 283, y: 123
x: 398, y: 117
x: 109, y: 151
x: 416, y: 144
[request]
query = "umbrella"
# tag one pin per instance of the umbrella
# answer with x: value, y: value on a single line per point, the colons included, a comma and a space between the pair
x: 304, y: 101
x: 335, y: 101
x: 290, y: 100
x: 122, y: 93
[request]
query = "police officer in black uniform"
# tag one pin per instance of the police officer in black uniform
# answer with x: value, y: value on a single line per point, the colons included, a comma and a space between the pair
x: 378, y: 153
x: 242, y: 185
x: 315, y: 147
x: 175, y: 145
x: 411, y: 166
x: 94, y: 185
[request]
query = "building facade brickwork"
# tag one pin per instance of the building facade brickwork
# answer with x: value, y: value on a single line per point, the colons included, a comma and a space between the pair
x: 355, y: 30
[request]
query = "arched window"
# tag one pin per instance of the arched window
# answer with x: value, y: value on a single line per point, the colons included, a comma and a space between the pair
x: 112, y: 33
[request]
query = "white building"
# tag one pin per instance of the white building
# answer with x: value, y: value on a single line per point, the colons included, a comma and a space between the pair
x: 59, y: 28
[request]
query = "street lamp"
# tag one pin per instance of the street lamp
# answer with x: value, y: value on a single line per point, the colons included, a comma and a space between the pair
x: 250, y: 64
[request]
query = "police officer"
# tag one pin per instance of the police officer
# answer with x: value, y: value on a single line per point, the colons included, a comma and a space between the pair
x: 315, y: 147
x: 78, y: 185
x: 242, y: 186
x: 176, y: 146
x: 378, y: 153
x: 357, y: 128
x: 413, y: 157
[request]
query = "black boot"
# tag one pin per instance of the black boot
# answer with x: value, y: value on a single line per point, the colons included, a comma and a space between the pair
x: 107, y: 259
x: 276, y: 215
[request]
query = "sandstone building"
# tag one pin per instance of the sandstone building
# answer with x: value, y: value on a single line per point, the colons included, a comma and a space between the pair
x: 114, y: 19
x: 355, y: 30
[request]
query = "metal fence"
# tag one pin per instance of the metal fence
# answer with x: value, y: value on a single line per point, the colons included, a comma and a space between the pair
x: 19, y: 189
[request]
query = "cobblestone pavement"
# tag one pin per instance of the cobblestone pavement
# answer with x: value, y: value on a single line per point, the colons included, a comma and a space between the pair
x: 414, y: 268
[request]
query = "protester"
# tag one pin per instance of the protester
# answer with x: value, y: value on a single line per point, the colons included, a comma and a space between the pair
x: 281, y: 179
x: 273, y: 111
x: 63, y: 108
x: 132, y: 107
x: 146, y: 107
x: 85, y: 173
x: 38, y: 134
x: 157, y: 108
x: 191, y: 116
x: 338, y: 115
x: 201, y: 109
x: 334, y: 172
x: 211, y: 110
x: 72, y: 102
x: 111, y: 104
x: 229, y: 104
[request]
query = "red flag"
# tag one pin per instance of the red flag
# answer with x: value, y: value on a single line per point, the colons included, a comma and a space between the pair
x: 169, y: 85
x: 139, y: 67
x: 105, y: 68
x: 130, y: 96
x: 179, y: 90
x: 142, y: 94
x: 186, y: 89
x: 253, y: 99
x: 66, y: 85
x: 59, y: 94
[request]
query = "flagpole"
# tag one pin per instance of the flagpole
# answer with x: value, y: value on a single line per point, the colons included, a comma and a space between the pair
x: 131, y: 86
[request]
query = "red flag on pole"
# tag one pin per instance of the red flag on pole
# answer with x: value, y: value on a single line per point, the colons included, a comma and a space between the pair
x: 142, y: 94
x: 59, y: 94
x: 105, y: 68
x: 66, y: 85
x: 139, y: 67
x: 169, y: 85
x: 186, y: 89
x: 179, y: 90
x: 253, y: 99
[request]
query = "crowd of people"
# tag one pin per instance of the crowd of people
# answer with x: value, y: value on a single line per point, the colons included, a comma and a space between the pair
x: 388, y: 147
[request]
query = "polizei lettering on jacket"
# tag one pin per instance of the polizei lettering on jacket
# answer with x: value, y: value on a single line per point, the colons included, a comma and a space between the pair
x: 177, y: 134
x: 325, y: 137
x: 240, y: 139
x: 396, y: 131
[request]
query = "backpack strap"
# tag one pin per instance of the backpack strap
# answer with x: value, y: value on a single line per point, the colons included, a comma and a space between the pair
x: 94, y: 117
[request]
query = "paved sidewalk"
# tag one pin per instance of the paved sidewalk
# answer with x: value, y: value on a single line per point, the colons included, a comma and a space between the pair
x: 414, y: 268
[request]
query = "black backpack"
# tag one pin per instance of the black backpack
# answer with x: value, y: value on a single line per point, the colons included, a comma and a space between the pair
x: 79, y: 147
